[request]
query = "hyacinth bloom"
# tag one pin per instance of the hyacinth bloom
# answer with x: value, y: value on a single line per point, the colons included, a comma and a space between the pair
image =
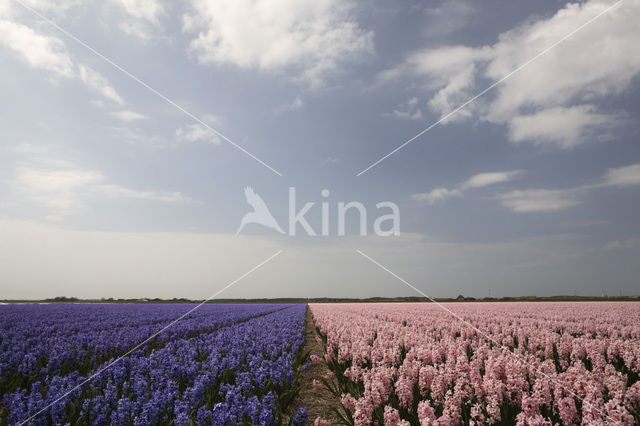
x: 222, y: 364
x: 524, y: 363
x: 317, y: 385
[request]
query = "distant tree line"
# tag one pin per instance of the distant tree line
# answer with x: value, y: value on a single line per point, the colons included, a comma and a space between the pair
x: 459, y: 298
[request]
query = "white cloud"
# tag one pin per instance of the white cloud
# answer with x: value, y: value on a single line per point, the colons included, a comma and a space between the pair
x: 477, y: 181
x: 55, y: 189
x: 439, y: 64
x: 437, y: 194
x: 628, y: 244
x: 49, y: 53
x: 596, y: 61
x: 449, y: 16
x: 40, y: 51
x: 453, y: 94
x: 59, y: 7
x: 485, y: 179
x: 539, y: 200
x: 136, y: 135
x: 449, y: 74
x: 196, y: 133
x: 64, y: 189
x: 308, y: 39
x: 564, y: 126
x: 127, y: 115
x: 294, y: 105
x: 623, y: 176
x: 551, y: 99
x: 548, y: 200
x: 5, y: 9
x: 97, y: 82
x: 115, y: 191
x: 409, y: 110
x: 148, y: 10
x: 141, y: 18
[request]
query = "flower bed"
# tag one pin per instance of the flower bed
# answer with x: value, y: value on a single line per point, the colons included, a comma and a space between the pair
x: 526, y: 363
x: 222, y: 363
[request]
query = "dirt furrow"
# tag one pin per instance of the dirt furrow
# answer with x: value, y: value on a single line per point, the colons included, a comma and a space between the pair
x: 319, y: 402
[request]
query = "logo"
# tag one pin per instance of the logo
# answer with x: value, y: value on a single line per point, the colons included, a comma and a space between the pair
x: 384, y: 225
x: 260, y: 213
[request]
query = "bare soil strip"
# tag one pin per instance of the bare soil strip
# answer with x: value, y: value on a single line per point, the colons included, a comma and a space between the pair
x: 319, y: 403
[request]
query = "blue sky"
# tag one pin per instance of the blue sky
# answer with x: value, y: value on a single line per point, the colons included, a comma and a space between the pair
x: 108, y: 190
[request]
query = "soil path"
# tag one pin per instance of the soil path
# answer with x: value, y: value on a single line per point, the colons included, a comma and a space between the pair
x: 319, y: 403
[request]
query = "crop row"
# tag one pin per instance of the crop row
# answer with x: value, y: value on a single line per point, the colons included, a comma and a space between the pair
x: 244, y: 372
x: 39, y: 342
x: 525, y: 363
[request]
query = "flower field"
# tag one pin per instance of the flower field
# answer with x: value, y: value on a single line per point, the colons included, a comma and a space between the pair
x: 525, y: 363
x: 390, y: 363
x: 221, y: 364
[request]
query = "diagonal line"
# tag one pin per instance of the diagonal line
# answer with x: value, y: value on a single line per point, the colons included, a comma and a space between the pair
x: 485, y: 335
x: 154, y: 335
x: 492, y: 86
x: 145, y: 85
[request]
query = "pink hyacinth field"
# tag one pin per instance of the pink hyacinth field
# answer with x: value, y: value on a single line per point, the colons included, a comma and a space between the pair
x: 482, y: 363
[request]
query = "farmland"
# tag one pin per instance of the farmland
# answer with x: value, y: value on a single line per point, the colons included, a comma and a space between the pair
x: 506, y: 363
x: 221, y: 364
x: 371, y: 363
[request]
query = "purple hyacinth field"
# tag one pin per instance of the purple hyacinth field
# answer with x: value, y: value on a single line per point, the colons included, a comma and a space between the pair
x: 221, y: 364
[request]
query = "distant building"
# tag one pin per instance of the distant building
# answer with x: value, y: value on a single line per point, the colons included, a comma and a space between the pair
x: 604, y: 295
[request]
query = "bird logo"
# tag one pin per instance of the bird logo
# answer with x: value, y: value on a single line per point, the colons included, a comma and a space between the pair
x: 260, y: 213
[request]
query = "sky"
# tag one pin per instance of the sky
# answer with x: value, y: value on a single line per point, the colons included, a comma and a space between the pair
x: 130, y: 129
